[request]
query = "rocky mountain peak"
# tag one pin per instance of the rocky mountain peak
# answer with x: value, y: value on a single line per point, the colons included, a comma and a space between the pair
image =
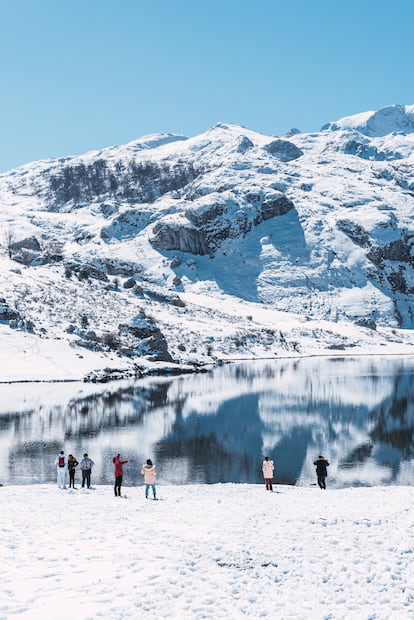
x: 391, y: 119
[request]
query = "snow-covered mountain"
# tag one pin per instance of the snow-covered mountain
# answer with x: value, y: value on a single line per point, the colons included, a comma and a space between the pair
x: 229, y: 244
x: 392, y: 119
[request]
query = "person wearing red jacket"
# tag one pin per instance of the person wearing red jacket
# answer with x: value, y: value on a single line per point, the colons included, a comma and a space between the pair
x: 118, y: 473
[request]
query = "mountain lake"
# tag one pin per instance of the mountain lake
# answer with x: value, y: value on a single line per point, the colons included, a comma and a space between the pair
x: 217, y: 426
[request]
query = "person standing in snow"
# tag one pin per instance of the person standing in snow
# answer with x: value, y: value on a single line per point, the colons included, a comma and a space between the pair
x: 118, y: 473
x: 321, y: 471
x: 148, y: 470
x: 61, y: 468
x: 268, y: 469
x: 86, y: 465
x: 72, y: 464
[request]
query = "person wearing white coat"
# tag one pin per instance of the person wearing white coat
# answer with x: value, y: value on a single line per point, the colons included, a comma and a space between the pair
x: 148, y: 470
x: 268, y: 469
x: 61, y: 468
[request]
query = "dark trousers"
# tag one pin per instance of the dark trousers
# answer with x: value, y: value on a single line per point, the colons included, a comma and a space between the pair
x: 86, y: 477
x: 321, y: 482
x: 71, y: 478
x: 117, y: 487
x: 269, y: 486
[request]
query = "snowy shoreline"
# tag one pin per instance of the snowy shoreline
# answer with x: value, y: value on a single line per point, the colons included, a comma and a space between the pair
x: 207, y: 551
x: 62, y: 365
x: 26, y: 357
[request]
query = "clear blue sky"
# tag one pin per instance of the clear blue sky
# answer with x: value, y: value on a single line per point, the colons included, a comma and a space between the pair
x: 82, y: 74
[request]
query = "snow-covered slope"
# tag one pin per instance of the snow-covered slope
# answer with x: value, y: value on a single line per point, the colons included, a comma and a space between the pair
x: 228, y: 244
x: 394, y: 118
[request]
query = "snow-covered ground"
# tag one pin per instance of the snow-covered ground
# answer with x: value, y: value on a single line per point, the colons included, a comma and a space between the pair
x: 26, y: 357
x: 208, y: 551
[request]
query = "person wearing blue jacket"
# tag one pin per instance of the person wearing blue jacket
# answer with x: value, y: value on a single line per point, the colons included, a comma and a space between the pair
x: 86, y: 465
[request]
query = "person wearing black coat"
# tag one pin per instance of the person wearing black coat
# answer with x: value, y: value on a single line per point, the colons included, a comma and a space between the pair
x: 72, y: 464
x: 321, y: 471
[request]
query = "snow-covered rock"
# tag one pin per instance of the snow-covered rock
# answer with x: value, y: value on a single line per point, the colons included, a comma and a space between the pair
x: 284, y: 150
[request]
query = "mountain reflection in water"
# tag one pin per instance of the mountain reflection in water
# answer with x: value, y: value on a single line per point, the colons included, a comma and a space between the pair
x: 217, y: 426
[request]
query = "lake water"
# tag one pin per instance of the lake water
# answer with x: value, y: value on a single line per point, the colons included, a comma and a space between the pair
x: 217, y: 426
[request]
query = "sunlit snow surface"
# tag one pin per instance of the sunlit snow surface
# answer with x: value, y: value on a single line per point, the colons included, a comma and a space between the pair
x: 207, y: 551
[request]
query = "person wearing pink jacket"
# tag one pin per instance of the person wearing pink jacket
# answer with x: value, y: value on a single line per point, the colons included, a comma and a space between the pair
x: 118, y: 473
x: 268, y: 469
x: 149, y: 477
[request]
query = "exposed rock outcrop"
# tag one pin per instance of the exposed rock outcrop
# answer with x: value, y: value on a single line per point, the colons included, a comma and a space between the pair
x: 147, y: 340
x: 400, y: 251
x: 354, y: 231
x: 85, y: 271
x: 244, y: 144
x: 367, y: 151
x: 29, y: 243
x: 205, y: 226
x: 7, y: 313
x: 284, y: 150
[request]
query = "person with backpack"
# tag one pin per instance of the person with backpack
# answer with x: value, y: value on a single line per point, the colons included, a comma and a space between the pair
x: 148, y: 470
x: 72, y: 464
x: 61, y: 468
x: 321, y: 471
x: 86, y: 465
x: 118, y: 472
x: 268, y: 469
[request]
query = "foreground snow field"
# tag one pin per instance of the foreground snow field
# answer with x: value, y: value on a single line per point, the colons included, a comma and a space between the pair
x: 212, y: 551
